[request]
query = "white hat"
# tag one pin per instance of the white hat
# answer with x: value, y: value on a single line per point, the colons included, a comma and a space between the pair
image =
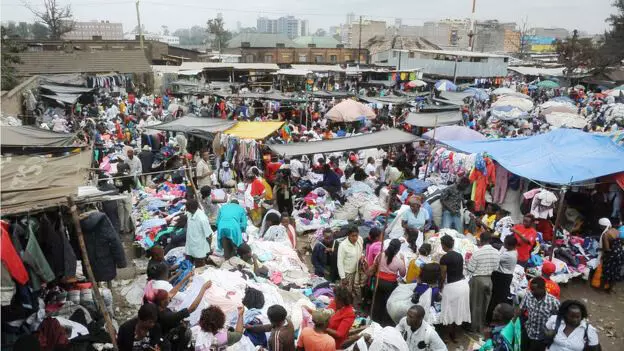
x: 147, y: 148
x: 605, y: 222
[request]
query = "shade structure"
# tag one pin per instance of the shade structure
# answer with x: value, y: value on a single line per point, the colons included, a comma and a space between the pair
x: 503, y: 91
x: 614, y: 112
x: 477, y: 94
x: 445, y: 85
x: 616, y: 92
x: 27, y: 136
x: 364, y: 141
x: 350, y: 111
x: 548, y: 84
x: 416, y: 83
x: 454, y: 133
x: 562, y: 156
x: 564, y: 119
x: 32, y: 182
x: 194, y: 124
x: 455, y: 98
x: 558, y: 103
x: 508, y: 113
x: 254, y: 130
x: 519, y: 103
x: 433, y: 119
x: 560, y: 109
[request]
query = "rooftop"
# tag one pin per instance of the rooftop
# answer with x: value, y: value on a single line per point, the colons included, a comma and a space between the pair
x: 52, y: 62
x: 261, y: 40
x: 460, y: 53
x: 320, y: 42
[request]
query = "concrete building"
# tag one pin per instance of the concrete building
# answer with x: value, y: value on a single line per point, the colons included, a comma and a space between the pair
x: 511, y: 41
x: 279, y: 49
x: 447, y: 64
x: 368, y: 30
x: 266, y: 25
x: 448, y: 33
x: 490, y: 35
x: 87, y: 30
x: 305, y: 28
x: 288, y: 25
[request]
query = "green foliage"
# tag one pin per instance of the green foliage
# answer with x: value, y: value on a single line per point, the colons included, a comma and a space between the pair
x: 220, y: 35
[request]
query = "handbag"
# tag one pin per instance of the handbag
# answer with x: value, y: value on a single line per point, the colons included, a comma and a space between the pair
x: 586, y: 342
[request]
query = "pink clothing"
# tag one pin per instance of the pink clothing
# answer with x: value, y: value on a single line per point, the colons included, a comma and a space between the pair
x: 372, y: 251
x: 500, y: 187
x: 397, y: 265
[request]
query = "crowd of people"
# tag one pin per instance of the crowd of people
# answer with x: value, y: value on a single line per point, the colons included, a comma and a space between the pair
x: 227, y: 207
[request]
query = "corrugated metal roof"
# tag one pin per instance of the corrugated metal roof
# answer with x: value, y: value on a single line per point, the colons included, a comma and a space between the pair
x: 320, y: 68
x: 459, y: 53
x: 261, y: 40
x: 320, y: 42
x: 190, y: 66
x: 52, y: 62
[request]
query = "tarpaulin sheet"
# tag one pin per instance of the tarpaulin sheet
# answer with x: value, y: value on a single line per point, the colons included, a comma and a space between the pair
x: 254, y: 130
x: 455, y: 98
x: 562, y: 156
x: 34, y: 182
x: 26, y: 136
x: 64, y: 98
x: 433, y: 119
x: 365, y: 141
x: 61, y: 89
x: 193, y: 124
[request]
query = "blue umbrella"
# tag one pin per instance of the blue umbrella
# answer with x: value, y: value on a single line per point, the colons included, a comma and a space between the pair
x: 532, y: 87
x: 563, y: 99
x: 478, y: 94
x: 445, y: 85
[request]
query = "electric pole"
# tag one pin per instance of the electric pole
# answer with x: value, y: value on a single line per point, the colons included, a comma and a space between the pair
x: 139, y: 23
x: 360, y: 42
x: 471, y: 32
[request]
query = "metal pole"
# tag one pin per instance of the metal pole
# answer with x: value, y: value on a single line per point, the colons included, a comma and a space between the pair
x: 139, y: 23
x: 562, y: 193
x: 455, y: 70
x: 87, y: 263
x: 359, y: 42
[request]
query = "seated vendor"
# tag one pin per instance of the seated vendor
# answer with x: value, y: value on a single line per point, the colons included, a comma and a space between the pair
x: 275, y: 231
x: 211, y: 330
x: 158, y: 278
x: 344, y: 315
x: 282, y: 336
x: 321, y: 254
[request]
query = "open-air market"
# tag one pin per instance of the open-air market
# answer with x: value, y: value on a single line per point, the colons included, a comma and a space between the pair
x: 392, y: 183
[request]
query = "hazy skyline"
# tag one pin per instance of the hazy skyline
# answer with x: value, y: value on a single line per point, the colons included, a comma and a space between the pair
x: 588, y: 16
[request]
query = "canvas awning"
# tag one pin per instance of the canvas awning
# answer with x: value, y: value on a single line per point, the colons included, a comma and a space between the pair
x: 26, y: 136
x: 254, y: 130
x: 35, y: 182
x: 454, y: 98
x: 61, y: 89
x: 433, y: 119
x: 195, y: 125
x: 63, y: 98
x: 364, y: 141
x: 562, y: 156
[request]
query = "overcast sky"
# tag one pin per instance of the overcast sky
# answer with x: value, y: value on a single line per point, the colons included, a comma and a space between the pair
x: 585, y: 15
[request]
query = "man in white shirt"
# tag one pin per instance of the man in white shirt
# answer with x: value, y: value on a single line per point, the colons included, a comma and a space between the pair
x: 370, y: 167
x: 418, y: 334
x: 135, y: 164
x: 204, y: 171
x: 483, y: 262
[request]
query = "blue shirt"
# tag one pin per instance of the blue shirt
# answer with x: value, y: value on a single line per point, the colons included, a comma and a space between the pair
x: 416, y: 221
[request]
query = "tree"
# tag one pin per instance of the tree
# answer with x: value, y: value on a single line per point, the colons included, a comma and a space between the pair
x: 577, y: 54
x: 195, y: 35
x: 9, y: 59
x: 320, y: 32
x: 39, y: 31
x: 220, y: 35
x: 165, y: 30
x: 526, y: 38
x: 612, y: 50
x: 58, y: 19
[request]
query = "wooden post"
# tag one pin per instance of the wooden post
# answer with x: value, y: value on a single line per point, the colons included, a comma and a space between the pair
x: 87, y: 264
x: 562, y: 193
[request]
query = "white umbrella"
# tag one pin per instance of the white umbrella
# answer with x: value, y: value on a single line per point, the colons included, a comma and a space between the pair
x: 616, y: 92
x: 502, y: 91
x: 350, y: 111
x: 564, y: 119
x: 614, y: 111
x: 554, y: 103
x: 520, y: 103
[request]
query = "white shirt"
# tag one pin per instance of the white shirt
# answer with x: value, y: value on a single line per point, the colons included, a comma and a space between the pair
x: 162, y: 285
x: 203, y: 170
x: 296, y: 168
x: 426, y: 333
x: 370, y: 168
x: 135, y: 165
x: 575, y: 341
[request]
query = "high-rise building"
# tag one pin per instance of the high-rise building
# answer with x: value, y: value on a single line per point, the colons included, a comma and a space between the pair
x: 288, y: 25
x: 266, y: 25
x: 305, y: 28
x: 350, y: 18
x: 367, y: 30
x: 87, y: 30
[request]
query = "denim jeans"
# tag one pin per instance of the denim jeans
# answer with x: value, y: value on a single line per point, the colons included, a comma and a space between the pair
x: 450, y: 220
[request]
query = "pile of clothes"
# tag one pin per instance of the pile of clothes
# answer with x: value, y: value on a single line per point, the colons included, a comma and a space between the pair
x: 315, y: 211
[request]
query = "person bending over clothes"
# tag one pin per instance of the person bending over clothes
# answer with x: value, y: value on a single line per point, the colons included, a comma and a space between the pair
x: 417, y: 333
x: 158, y: 279
x: 245, y: 259
x: 211, y: 330
x: 231, y: 223
x: 275, y: 231
x: 282, y: 336
x: 142, y: 332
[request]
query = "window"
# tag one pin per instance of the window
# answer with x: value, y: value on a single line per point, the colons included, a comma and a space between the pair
x: 333, y: 58
x: 319, y: 59
x: 268, y: 58
x: 249, y: 58
x: 302, y: 58
x: 347, y: 57
x: 411, y: 55
x: 394, y: 54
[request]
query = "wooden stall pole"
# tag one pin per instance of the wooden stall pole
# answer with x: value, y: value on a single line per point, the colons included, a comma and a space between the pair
x: 430, y: 156
x: 87, y: 264
x: 562, y: 193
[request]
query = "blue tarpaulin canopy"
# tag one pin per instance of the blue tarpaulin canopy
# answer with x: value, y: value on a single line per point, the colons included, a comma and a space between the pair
x: 562, y: 156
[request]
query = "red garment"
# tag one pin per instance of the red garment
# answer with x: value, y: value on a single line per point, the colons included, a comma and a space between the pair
x: 341, y: 322
x: 524, y: 249
x: 481, y: 183
x: 545, y: 227
x: 271, y: 171
x: 551, y: 288
x: 10, y: 257
x: 52, y: 336
x: 131, y: 98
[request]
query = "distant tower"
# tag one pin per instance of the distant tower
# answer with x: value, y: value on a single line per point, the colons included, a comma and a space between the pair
x: 350, y: 18
x: 219, y: 15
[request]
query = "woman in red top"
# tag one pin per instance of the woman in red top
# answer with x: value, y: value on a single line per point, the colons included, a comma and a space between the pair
x: 526, y: 236
x: 341, y: 321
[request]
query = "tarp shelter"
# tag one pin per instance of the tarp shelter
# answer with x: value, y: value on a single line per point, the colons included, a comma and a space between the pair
x: 195, y: 125
x: 254, y: 130
x: 433, y: 119
x: 453, y: 133
x: 69, y: 99
x: 26, y: 136
x: 561, y: 157
x: 61, y: 89
x: 34, y: 182
x: 364, y: 141
x: 455, y: 98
